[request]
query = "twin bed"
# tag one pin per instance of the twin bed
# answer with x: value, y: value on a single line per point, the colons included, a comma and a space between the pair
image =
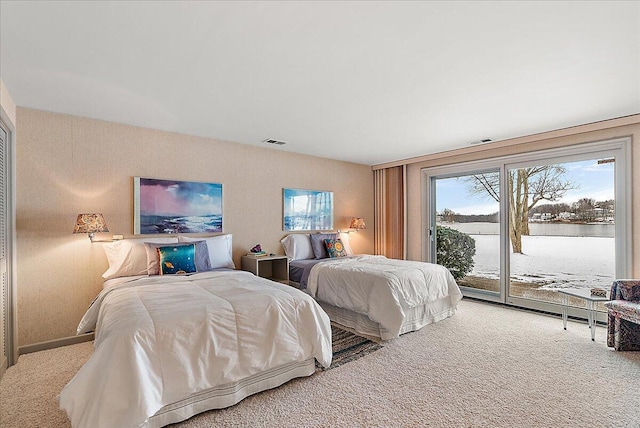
x: 170, y: 346
x: 374, y: 296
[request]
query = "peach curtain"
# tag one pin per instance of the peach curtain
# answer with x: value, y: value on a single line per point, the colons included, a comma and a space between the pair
x: 389, y: 200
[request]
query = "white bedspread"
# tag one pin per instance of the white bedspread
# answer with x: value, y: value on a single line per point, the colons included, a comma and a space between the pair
x: 381, y: 288
x: 160, y: 339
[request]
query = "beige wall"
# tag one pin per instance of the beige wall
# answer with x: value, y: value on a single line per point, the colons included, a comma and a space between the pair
x: 414, y: 176
x: 67, y: 165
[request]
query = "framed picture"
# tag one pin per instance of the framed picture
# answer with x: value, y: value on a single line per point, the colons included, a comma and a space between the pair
x: 307, y: 210
x: 171, y: 206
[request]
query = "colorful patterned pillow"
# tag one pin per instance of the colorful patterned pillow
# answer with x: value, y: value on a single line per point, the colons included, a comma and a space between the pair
x: 335, y: 248
x: 177, y: 259
x: 202, y: 261
x: 318, y: 246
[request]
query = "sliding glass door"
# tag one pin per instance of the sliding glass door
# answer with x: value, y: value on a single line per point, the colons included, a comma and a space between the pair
x: 518, y: 229
x: 561, y: 227
x: 467, y: 228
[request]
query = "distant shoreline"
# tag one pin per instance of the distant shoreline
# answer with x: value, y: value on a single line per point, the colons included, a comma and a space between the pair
x: 540, y: 228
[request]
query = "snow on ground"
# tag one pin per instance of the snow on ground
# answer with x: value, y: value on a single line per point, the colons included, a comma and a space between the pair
x: 551, y: 261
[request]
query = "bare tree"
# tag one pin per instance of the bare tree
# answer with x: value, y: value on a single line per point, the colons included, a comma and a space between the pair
x: 448, y: 215
x: 585, y: 209
x: 528, y: 187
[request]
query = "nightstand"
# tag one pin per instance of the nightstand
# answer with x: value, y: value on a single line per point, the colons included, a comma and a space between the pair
x: 275, y: 268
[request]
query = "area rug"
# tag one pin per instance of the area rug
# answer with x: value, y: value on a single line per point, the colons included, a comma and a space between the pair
x: 348, y: 347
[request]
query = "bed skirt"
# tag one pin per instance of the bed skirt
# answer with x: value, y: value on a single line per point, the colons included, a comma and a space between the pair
x: 227, y: 395
x: 415, y: 318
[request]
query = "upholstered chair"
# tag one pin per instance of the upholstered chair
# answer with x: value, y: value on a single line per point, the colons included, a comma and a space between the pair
x: 624, y: 316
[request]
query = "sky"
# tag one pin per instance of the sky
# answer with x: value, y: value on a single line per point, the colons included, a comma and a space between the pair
x: 592, y: 181
x: 180, y: 198
x: 296, y: 201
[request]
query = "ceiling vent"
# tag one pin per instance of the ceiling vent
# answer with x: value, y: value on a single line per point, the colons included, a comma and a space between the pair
x: 484, y: 140
x: 276, y: 142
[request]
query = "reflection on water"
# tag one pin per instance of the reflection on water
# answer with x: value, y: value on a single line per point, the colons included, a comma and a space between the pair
x: 169, y: 224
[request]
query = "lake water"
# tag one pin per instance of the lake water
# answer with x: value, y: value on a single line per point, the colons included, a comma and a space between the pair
x: 600, y: 230
x: 174, y: 224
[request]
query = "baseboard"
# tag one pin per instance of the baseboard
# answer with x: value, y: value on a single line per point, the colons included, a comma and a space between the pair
x: 50, y: 344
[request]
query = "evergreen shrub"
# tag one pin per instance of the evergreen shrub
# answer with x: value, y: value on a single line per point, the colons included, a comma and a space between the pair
x: 455, y: 251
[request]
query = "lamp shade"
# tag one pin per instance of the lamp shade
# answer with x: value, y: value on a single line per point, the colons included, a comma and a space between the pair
x: 90, y: 223
x: 357, y: 223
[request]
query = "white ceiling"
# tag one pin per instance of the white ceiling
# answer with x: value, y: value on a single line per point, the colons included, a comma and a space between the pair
x: 367, y: 82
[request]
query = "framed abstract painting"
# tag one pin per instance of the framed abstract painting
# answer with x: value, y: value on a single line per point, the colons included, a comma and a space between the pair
x: 172, y: 206
x: 307, y: 210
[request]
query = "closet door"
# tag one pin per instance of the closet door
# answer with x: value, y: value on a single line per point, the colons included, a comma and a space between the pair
x: 5, y: 304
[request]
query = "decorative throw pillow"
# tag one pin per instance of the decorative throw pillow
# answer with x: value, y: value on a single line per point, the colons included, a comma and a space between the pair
x: 335, y: 248
x: 318, y: 245
x: 202, y: 260
x: 177, y: 259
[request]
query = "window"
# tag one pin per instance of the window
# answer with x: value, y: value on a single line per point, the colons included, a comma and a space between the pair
x: 561, y: 224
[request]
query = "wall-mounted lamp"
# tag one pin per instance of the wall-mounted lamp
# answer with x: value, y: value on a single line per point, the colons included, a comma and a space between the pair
x: 90, y: 223
x: 357, y: 223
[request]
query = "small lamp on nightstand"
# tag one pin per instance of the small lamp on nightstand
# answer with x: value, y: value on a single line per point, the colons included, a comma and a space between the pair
x: 90, y: 223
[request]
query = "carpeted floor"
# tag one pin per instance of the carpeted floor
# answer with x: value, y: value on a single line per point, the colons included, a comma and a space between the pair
x: 487, y: 366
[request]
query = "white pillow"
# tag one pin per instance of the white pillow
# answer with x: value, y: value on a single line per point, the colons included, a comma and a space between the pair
x: 344, y: 238
x: 220, y: 249
x: 297, y: 246
x: 128, y: 257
